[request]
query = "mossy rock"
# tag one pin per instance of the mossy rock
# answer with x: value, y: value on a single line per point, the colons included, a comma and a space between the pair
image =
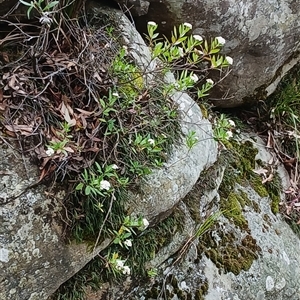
x: 229, y: 253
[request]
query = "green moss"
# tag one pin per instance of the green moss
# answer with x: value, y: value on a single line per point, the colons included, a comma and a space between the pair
x: 274, y: 187
x: 230, y: 255
x: 201, y: 291
x: 204, y: 110
x: 232, y: 207
x: 257, y: 185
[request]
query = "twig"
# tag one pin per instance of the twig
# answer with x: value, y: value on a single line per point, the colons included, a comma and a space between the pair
x: 113, y: 198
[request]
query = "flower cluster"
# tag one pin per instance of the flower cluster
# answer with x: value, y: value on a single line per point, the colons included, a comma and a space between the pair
x: 119, y: 265
x: 224, y: 128
x: 191, y: 50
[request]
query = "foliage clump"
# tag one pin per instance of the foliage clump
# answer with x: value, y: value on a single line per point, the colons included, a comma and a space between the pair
x: 72, y: 96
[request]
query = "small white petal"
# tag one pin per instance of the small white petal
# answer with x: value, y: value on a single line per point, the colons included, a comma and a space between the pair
x: 151, y: 23
x: 119, y: 264
x: 188, y: 25
x: 194, y: 77
x: 220, y: 40
x: 104, y: 185
x: 126, y: 270
x: 229, y: 60
x: 210, y: 81
x: 128, y: 243
x: 198, y: 37
x: 115, y: 167
x: 231, y: 123
x: 180, y: 50
x: 198, y: 52
x: 50, y: 152
x: 229, y: 134
x: 151, y: 141
x: 145, y: 223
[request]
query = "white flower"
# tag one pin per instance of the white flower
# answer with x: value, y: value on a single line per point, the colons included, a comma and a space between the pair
x: 126, y: 49
x: 114, y: 167
x: 45, y: 19
x: 145, y: 223
x: 229, y: 134
x: 126, y: 270
x: 151, y: 141
x: 198, y: 37
x: 180, y: 50
x: 220, y: 40
x: 151, y: 23
x: 210, y: 81
x: 194, y: 77
x: 128, y: 243
x: 104, y: 185
x: 190, y: 26
x: 50, y: 152
x: 116, y: 94
x: 229, y: 60
x: 119, y: 264
x: 231, y: 123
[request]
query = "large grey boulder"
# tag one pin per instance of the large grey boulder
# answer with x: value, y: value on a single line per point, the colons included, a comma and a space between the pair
x: 161, y: 191
x: 262, y: 38
x: 256, y: 259
x: 34, y: 257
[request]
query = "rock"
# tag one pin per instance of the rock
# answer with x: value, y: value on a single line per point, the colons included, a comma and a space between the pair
x: 34, y: 257
x: 136, y: 7
x: 257, y: 259
x: 161, y: 191
x: 261, y: 37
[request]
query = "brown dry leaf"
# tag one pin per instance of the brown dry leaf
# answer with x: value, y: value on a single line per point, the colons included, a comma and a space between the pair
x: 270, y: 143
x: 85, y: 112
x: 288, y: 210
x: 10, y: 133
x: 5, y: 173
x: 3, y: 106
x: 268, y: 179
x: 97, y: 76
x: 261, y: 171
x: 66, y: 110
x: 5, y: 76
x: 24, y: 129
x: 12, y: 82
x: 69, y: 149
x: 70, y: 64
x: 5, y: 57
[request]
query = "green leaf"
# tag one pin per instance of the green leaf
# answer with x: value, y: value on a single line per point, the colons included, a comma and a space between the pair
x: 212, y: 51
x: 28, y: 12
x: 26, y: 3
x: 87, y: 190
x: 102, y: 102
x: 50, y: 5
x: 79, y: 186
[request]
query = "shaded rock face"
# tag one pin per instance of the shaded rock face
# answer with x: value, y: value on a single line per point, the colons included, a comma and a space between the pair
x: 262, y: 38
x: 253, y: 255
